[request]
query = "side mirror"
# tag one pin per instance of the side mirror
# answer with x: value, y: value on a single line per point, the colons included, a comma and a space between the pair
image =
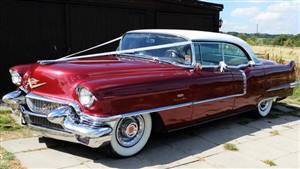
x: 251, y: 63
x: 197, y: 67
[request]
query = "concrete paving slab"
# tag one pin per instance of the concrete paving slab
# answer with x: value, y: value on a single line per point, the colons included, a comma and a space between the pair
x: 197, y: 164
x: 290, y: 118
x: 263, y: 133
x: 292, y: 134
x: 94, y: 165
x: 283, y: 109
x: 260, y: 151
x: 289, y: 161
x: 26, y: 144
x: 190, y: 145
x: 230, y: 159
x: 220, y: 136
x: 181, y: 162
x: 132, y: 162
x: 261, y: 124
x: 163, y: 156
x: 196, y: 147
x: 82, y: 166
x: 293, y: 123
x: 48, y: 158
x: 282, y: 143
x: 210, y: 152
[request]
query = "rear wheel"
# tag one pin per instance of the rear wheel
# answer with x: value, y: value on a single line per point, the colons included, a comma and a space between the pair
x: 264, y: 107
x: 130, y: 135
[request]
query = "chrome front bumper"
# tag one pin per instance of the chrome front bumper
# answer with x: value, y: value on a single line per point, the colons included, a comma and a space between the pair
x: 92, y: 134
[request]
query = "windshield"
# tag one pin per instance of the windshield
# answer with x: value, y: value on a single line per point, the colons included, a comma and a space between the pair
x: 180, y: 54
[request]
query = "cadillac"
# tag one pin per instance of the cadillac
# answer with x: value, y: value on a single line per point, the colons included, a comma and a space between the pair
x: 166, y: 79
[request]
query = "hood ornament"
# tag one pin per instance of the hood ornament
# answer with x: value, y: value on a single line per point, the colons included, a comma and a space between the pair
x: 34, y: 83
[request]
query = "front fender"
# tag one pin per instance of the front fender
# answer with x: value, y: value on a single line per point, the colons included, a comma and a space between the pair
x: 128, y: 94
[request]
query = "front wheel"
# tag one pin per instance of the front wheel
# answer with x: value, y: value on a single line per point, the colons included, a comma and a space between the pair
x: 130, y: 135
x: 264, y: 107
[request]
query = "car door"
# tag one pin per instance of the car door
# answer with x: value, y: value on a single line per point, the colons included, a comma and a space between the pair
x: 213, y: 89
x: 237, y: 60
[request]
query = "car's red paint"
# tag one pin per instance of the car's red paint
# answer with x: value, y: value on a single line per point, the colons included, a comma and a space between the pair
x: 125, y: 84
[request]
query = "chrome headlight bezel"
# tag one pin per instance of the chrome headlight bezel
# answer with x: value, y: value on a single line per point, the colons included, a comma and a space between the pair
x: 85, y: 97
x: 16, y: 78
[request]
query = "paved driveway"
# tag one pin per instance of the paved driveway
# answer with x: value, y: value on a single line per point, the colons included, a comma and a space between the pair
x: 275, y: 138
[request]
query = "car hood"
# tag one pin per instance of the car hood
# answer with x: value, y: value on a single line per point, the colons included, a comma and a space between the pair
x: 61, y: 79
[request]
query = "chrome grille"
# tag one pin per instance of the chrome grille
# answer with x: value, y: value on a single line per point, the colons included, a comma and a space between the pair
x: 40, y: 106
x: 43, y: 122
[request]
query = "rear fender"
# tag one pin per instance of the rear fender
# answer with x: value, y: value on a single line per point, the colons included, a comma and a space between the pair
x: 279, y: 80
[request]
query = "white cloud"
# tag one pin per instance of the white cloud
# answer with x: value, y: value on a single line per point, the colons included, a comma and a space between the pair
x: 235, y: 27
x: 278, y: 17
x: 277, y: 11
x: 244, y: 11
x: 281, y: 17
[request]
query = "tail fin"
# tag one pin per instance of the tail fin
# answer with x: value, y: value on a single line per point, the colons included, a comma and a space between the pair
x: 292, y: 65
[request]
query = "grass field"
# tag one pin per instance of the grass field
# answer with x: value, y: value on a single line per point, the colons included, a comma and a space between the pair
x: 282, y: 55
x: 9, y: 129
x: 278, y: 53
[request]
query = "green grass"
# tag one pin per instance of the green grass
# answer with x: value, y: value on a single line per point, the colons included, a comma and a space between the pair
x: 9, y: 156
x: 230, y: 147
x: 8, y: 160
x: 4, y: 166
x: 274, y: 133
x: 297, y: 93
x: 9, y: 129
x: 269, y: 162
x: 295, y: 98
x: 7, y: 123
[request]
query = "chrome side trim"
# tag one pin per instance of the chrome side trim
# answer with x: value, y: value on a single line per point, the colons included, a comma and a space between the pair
x: 284, y: 86
x: 294, y: 84
x: 157, y: 109
x: 98, y: 119
x: 116, y: 117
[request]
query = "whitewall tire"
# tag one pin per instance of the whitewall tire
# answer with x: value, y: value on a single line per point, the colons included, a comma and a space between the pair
x: 130, y: 135
x: 264, y: 107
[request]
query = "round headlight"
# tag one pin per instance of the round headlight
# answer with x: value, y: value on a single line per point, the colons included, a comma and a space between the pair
x: 86, y: 98
x: 15, y: 77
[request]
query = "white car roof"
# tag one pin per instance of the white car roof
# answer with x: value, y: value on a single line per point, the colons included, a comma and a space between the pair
x: 194, y: 35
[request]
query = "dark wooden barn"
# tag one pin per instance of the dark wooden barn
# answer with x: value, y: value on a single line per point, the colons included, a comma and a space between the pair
x: 47, y: 29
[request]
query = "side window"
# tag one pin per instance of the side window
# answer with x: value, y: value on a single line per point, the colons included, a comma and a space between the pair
x: 234, y: 56
x: 208, y: 54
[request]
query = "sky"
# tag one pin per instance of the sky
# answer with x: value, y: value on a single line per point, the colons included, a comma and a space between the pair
x: 271, y: 16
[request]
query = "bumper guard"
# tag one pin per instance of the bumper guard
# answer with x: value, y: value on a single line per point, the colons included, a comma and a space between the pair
x: 73, y: 131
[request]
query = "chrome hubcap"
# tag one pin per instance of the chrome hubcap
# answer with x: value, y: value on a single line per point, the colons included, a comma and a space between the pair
x: 264, y: 105
x: 130, y: 130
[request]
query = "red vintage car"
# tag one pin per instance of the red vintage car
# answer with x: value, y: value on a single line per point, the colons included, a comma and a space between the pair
x: 166, y: 79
